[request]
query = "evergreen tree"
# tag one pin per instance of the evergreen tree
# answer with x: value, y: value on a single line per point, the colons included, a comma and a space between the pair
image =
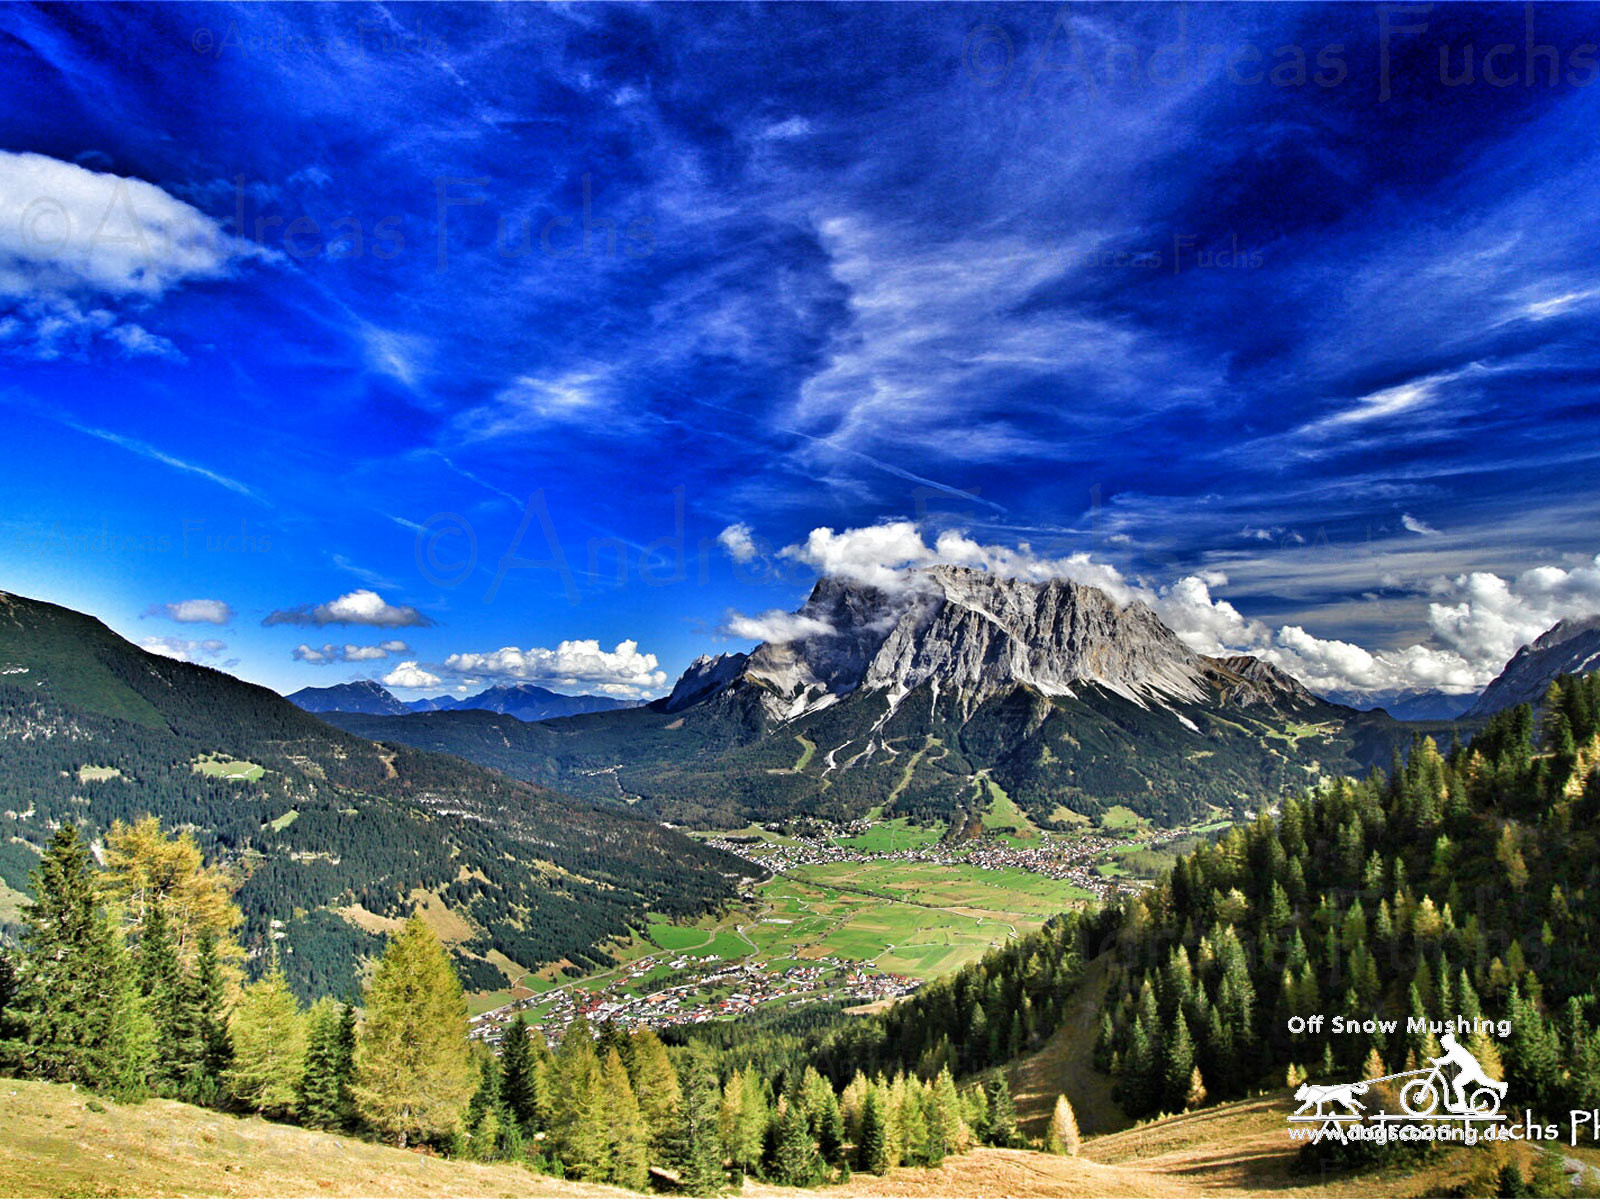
x: 414, y: 1073
x: 206, y: 1051
x: 78, y: 999
x: 872, y: 1150
x: 518, y: 1084
x: 795, y: 1161
x: 325, y: 1088
x: 1003, y: 1129
x: 166, y: 999
x: 268, y: 1034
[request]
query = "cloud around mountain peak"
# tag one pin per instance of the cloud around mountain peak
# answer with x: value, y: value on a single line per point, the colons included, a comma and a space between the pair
x: 1476, y: 621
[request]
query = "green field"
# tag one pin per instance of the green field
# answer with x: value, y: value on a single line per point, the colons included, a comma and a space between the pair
x: 89, y: 774
x: 887, y: 837
x: 229, y: 768
x: 678, y: 937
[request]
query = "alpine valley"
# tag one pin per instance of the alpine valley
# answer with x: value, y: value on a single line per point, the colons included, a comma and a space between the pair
x: 332, y: 837
x: 920, y: 700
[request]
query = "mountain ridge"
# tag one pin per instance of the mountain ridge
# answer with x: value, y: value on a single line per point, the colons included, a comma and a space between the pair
x: 525, y: 701
x: 1569, y: 647
x: 918, y: 699
x: 326, y: 830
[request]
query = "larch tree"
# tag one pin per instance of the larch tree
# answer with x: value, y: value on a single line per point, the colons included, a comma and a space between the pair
x: 627, y: 1137
x: 268, y: 1035
x: 414, y: 1071
x: 656, y: 1085
x: 1062, y: 1136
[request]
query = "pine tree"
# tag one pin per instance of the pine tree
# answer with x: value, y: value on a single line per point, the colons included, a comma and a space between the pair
x: 795, y: 1156
x: 1002, y: 1113
x: 166, y: 999
x: 1196, y: 1095
x: 872, y: 1151
x: 325, y: 1099
x: 268, y: 1034
x: 1062, y: 1136
x: 11, y: 1023
x: 414, y: 1073
x: 518, y: 1085
x: 206, y: 1050
x: 78, y: 997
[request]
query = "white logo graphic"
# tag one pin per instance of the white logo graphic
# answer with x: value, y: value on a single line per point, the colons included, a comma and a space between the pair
x: 1454, y: 1087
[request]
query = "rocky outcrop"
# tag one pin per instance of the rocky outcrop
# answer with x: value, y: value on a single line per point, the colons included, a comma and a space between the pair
x: 973, y: 634
x: 1569, y: 647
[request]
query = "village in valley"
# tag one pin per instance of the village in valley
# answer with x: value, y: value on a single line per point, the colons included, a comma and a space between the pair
x: 856, y: 913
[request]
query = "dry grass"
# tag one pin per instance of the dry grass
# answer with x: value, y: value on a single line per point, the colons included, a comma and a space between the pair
x: 54, y: 1144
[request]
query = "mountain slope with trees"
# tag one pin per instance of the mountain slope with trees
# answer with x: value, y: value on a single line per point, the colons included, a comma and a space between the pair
x: 314, y: 822
x: 915, y: 700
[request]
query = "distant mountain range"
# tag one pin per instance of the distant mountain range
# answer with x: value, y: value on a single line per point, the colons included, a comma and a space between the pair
x: 332, y: 835
x: 1409, y: 704
x: 957, y: 693
x: 525, y: 701
x: 1570, y: 647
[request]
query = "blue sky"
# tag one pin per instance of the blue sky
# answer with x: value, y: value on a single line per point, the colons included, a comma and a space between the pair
x: 566, y: 343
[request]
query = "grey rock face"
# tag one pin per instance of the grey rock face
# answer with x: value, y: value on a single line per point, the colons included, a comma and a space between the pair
x: 973, y: 634
x: 1569, y: 647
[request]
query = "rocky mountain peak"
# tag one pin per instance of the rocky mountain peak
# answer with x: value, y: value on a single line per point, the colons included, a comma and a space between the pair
x: 966, y: 632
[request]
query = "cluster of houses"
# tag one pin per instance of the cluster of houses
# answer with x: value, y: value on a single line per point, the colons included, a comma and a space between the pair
x: 716, y: 990
x: 1070, y: 860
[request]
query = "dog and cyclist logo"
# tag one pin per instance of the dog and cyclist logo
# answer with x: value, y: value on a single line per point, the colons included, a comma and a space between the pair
x: 1454, y: 1087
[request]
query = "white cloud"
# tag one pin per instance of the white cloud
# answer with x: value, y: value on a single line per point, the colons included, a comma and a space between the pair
x: 361, y: 607
x: 775, y: 625
x: 877, y: 555
x: 738, y: 541
x: 68, y: 234
x: 331, y: 653
x: 1477, y: 621
x: 1417, y: 525
x: 623, y: 671
x: 183, y: 649
x: 410, y: 675
x: 194, y: 612
x: 532, y: 402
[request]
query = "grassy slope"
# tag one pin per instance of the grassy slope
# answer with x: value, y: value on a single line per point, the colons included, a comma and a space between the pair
x: 54, y: 1145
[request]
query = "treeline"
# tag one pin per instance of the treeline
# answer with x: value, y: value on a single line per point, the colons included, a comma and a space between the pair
x: 1461, y: 884
x: 128, y: 982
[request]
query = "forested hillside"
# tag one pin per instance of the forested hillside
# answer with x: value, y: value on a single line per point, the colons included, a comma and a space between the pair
x: 311, y: 819
x: 1459, y: 885
x: 726, y: 762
